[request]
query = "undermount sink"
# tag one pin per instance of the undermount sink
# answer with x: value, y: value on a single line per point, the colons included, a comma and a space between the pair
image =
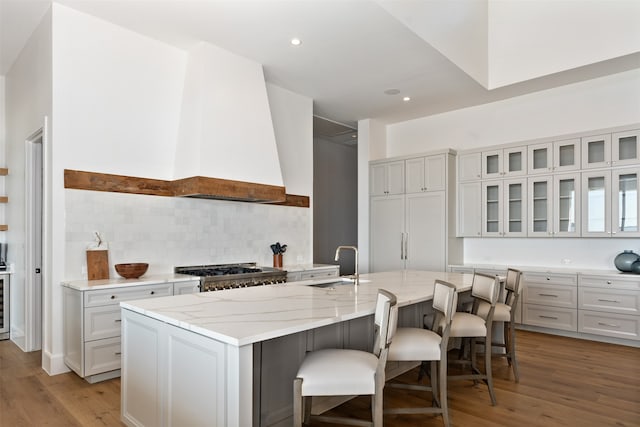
x: 337, y: 282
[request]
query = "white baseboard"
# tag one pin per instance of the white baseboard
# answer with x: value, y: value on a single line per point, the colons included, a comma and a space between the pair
x: 18, y: 338
x: 53, y: 364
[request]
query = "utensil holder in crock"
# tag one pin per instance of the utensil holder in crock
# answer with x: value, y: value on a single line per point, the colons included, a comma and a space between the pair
x: 277, y: 260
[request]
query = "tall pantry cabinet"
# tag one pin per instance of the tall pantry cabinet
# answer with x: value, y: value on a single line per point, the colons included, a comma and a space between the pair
x: 410, y: 229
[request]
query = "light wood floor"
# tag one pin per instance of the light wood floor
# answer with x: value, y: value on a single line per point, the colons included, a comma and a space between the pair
x: 563, y: 382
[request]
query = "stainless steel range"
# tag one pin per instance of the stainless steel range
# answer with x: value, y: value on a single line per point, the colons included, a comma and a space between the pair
x: 231, y: 276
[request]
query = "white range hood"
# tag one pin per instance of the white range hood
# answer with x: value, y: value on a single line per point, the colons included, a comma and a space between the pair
x: 226, y: 147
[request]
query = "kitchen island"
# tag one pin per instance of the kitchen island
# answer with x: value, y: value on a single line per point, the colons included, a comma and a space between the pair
x: 228, y: 358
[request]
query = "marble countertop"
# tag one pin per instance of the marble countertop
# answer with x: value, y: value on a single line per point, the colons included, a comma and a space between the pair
x: 248, y: 315
x: 85, y: 285
x: 543, y: 269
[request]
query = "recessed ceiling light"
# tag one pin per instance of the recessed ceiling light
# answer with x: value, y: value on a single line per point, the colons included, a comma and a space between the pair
x: 296, y: 41
x: 406, y: 99
x: 392, y: 91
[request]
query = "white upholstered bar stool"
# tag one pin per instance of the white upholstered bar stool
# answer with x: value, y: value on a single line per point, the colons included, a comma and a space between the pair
x: 505, y: 312
x: 342, y: 372
x: 471, y: 325
x: 422, y: 345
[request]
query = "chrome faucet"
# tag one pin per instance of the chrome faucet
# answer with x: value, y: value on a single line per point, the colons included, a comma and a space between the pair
x: 355, y: 249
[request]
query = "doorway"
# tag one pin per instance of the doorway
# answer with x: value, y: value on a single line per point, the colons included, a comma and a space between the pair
x: 33, y: 240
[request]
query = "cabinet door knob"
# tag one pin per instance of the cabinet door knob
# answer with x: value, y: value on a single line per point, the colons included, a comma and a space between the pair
x: 113, y: 297
x: 548, y: 278
x: 152, y: 292
x: 608, y: 282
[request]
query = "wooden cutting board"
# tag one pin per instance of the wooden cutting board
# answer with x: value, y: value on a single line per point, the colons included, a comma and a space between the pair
x: 97, y: 264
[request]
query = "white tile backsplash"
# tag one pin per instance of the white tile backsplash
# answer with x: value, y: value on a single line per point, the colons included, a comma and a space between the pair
x: 170, y: 231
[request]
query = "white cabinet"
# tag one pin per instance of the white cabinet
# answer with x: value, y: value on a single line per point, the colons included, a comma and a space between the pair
x: 387, y: 233
x: 617, y: 149
x: 610, y: 203
x: 609, y: 305
x: 414, y: 230
x: 550, y: 300
x: 92, y: 325
x: 408, y: 232
x: 596, y: 204
x: 505, y: 162
x: 470, y: 209
x: 469, y: 167
x: 504, y: 208
x: 159, y: 390
x: 387, y: 178
x: 557, y: 156
x: 625, y: 148
x: 191, y: 287
x: 626, y: 203
x: 426, y: 174
x: 425, y: 238
x: 554, y: 206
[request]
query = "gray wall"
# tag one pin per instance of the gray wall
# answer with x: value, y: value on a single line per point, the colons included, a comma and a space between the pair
x: 335, y: 202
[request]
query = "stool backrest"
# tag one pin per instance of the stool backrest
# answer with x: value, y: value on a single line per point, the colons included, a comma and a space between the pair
x: 513, y: 280
x: 485, y: 287
x: 445, y: 299
x: 385, y: 320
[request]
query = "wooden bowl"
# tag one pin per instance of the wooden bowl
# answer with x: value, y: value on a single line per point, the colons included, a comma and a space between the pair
x: 132, y: 270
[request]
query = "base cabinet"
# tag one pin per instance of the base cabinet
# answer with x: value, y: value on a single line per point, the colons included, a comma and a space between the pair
x: 92, y: 325
x: 550, y: 300
x: 158, y: 391
x: 609, y: 306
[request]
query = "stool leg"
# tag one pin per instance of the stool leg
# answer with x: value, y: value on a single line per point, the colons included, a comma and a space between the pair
x: 434, y: 382
x: 487, y: 366
x: 376, y: 404
x: 512, y: 351
x: 442, y: 371
x: 297, y: 402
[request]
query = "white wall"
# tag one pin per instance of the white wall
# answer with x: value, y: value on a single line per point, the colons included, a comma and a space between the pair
x: 117, y: 97
x: 28, y: 102
x: 115, y: 109
x: 595, y: 104
x: 529, y: 39
x: 292, y: 116
x: 3, y: 152
x: 372, y: 142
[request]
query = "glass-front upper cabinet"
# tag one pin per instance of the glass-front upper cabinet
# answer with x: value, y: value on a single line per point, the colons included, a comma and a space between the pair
x: 596, y: 204
x: 492, y: 208
x: 566, y: 205
x: 626, y: 203
x: 504, y: 162
x: 625, y: 148
x: 596, y: 151
x: 540, y: 206
x: 540, y: 158
x: 566, y: 155
x: 515, y: 208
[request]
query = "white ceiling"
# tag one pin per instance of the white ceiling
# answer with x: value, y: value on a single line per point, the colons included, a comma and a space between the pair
x: 351, y: 52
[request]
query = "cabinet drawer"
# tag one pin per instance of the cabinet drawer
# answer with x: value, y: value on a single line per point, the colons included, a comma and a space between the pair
x: 555, y: 296
x: 101, y: 322
x: 116, y: 295
x: 550, y: 317
x: 609, y: 300
x: 319, y: 274
x: 608, y: 324
x: 101, y: 356
x: 610, y: 282
x: 551, y: 278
